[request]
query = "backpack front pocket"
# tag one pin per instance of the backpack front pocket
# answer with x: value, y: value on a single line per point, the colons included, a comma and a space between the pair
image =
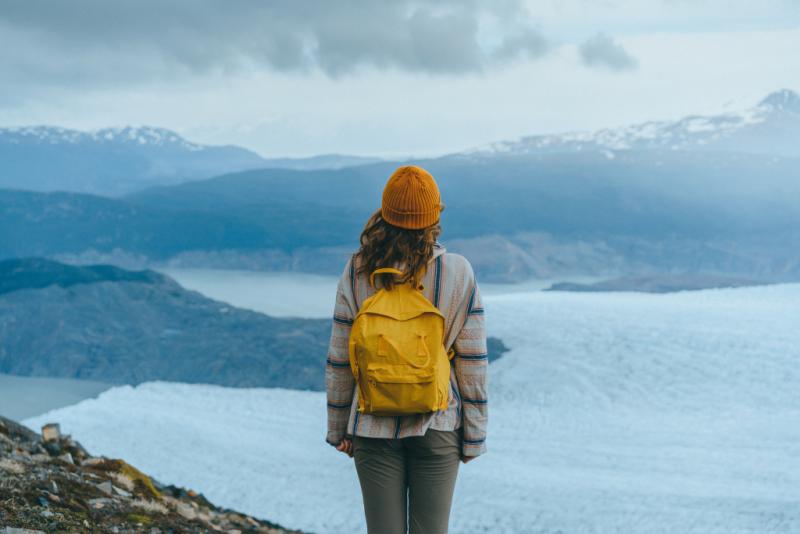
x: 399, y: 389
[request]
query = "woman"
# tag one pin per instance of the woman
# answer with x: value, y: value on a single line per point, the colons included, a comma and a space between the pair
x: 407, y: 465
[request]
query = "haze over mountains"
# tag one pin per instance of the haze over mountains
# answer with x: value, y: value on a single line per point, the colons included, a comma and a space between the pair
x: 700, y: 194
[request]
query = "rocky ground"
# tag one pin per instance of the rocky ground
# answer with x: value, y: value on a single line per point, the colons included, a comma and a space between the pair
x: 50, y: 483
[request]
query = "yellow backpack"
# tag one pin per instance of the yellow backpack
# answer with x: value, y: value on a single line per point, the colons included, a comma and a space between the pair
x: 397, y: 353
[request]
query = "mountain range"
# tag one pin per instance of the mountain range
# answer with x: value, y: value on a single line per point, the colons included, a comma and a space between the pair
x: 114, y: 161
x: 771, y: 127
x: 701, y: 194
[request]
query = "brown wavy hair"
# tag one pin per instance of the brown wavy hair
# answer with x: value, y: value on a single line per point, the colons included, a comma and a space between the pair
x: 386, y: 245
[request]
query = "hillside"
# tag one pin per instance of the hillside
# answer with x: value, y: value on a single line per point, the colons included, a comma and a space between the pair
x: 55, y: 485
x: 61, y: 223
x: 107, y: 324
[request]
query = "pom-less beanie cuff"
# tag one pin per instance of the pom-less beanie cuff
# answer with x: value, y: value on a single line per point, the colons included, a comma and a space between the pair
x: 411, y: 199
x: 411, y: 221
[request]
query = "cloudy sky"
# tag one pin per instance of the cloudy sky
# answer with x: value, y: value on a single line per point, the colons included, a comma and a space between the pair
x: 392, y: 78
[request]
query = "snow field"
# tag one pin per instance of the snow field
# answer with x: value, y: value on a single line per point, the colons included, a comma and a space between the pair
x: 612, y: 413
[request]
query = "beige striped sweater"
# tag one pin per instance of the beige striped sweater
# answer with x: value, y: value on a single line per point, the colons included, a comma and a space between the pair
x: 449, y: 283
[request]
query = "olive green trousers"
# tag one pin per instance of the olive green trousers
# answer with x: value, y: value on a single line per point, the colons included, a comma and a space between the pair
x: 407, y: 484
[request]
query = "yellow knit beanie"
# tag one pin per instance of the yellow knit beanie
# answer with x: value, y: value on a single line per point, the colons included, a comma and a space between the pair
x: 411, y: 199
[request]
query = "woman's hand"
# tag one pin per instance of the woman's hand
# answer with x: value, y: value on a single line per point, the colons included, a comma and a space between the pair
x: 346, y: 446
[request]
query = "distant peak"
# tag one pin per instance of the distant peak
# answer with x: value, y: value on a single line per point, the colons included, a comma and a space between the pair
x: 783, y: 100
x: 140, y: 134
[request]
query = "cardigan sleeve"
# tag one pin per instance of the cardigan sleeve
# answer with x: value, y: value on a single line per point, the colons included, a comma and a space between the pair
x: 339, y: 380
x: 471, y: 369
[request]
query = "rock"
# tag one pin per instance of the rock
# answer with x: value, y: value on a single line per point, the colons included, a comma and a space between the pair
x: 142, y: 484
x: 121, y: 492
x: 186, y: 510
x: 53, y: 447
x: 12, y: 466
x: 51, y: 432
x: 100, y: 502
x: 67, y: 457
x: 106, y: 487
x: 12, y: 530
x: 74, y: 448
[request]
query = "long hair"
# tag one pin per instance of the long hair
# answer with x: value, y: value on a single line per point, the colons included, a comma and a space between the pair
x: 386, y: 245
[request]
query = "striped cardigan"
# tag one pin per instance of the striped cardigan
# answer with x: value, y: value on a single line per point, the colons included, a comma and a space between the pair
x: 449, y: 283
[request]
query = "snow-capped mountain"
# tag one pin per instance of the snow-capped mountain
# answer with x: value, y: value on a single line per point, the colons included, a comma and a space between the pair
x: 115, y: 161
x: 110, y: 161
x: 142, y: 136
x: 772, y: 127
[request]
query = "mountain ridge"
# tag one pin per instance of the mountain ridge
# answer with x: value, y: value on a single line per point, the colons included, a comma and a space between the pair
x: 727, y: 131
x: 119, y: 160
x: 141, y: 135
x: 782, y: 100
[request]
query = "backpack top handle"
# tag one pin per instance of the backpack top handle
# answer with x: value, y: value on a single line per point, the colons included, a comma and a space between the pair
x: 382, y: 270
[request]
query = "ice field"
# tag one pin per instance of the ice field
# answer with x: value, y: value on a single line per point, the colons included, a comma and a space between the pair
x: 612, y: 413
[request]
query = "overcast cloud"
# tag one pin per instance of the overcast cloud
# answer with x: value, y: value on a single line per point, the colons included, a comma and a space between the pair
x: 602, y: 51
x: 301, y: 77
x: 103, y: 40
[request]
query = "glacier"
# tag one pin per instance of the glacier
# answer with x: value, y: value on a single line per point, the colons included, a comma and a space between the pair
x: 612, y: 413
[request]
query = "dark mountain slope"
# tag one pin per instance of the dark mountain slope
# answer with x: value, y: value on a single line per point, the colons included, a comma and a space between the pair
x: 134, y: 327
x: 652, y: 193
x: 636, y: 203
x: 56, y: 223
